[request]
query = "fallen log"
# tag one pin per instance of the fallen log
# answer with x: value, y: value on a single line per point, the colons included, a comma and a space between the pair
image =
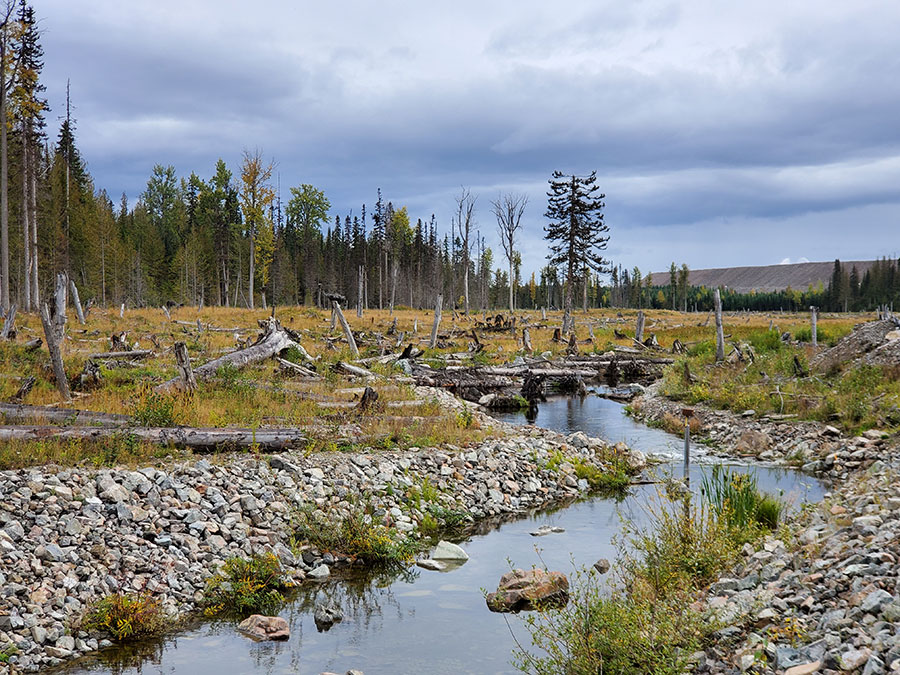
x: 196, y: 439
x: 349, y: 369
x: 291, y: 368
x: 19, y: 414
x: 272, y: 341
x: 133, y: 354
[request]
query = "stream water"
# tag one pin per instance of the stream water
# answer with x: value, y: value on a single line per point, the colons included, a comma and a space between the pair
x: 437, y: 622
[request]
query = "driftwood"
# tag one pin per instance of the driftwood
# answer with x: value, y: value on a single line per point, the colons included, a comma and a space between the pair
x: 22, y: 414
x: 62, y: 384
x: 197, y: 439
x: 273, y: 341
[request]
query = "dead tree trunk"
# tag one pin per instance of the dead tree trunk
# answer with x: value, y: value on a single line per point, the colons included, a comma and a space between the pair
x: 9, y: 322
x: 639, y: 329
x: 346, y: 326
x: 815, y: 332
x: 526, y: 341
x: 437, y: 321
x: 183, y: 361
x: 77, y: 302
x: 720, y: 332
x: 60, y: 296
x: 359, y: 293
x: 55, y: 357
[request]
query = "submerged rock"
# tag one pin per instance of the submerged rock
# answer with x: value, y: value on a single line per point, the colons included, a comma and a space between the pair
x: 544, y: 530
x: 523, y: 590
x: 429, y: 564
x: 259, y: 627
x: 326, y: 616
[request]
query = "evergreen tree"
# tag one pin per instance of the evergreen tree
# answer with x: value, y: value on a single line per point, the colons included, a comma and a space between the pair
x: 576, y: 230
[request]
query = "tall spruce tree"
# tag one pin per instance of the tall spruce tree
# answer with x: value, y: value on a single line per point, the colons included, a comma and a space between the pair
x: 576, y: 230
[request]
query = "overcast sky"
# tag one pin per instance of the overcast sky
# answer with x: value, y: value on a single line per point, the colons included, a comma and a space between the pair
x: 722, y: 133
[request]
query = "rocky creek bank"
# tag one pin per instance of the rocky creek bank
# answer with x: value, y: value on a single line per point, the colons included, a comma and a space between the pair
x: 71, y: 536
x: 825, y: 599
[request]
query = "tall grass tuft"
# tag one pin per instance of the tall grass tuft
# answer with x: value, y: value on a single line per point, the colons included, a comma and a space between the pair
x: 738, y: 502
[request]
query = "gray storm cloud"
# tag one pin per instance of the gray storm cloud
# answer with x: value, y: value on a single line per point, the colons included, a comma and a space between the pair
x: 722, y: 134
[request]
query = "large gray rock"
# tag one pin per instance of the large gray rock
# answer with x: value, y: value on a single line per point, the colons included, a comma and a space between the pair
x: 446, y: 550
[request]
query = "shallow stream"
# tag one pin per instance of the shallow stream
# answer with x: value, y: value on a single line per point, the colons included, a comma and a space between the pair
x: 437, y: 622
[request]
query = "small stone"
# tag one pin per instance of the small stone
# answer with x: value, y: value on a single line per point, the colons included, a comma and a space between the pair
x: 854, y: 659
x: 804, y: 668
x: 327, y: 615
x: 875, y: 600
x: 602, y: 566
x: 320, y: 572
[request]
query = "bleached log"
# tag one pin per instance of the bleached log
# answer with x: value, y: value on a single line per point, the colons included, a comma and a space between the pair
x: 273, y: 341
x: 349, y: 369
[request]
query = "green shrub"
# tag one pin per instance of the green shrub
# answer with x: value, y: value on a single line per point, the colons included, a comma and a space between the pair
x: 154, y: 409
x: 357, y: 536
x: 763, y: 343
x: 615, y: 633
x: 126, y: 617
x: 243, y: 586
x: 645, y: 623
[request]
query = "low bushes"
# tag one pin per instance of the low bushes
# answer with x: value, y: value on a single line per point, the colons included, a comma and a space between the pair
x: 645, y: 621
x: 126, y: 617
x: 357, y: 536
x: 246, y: 586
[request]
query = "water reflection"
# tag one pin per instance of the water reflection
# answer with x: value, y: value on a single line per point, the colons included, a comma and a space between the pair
x: 422, y: 621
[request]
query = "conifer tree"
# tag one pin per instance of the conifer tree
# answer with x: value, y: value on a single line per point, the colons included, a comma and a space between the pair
x: 576, y: 230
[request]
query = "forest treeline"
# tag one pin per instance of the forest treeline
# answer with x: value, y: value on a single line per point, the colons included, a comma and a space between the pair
x: 228, y: 236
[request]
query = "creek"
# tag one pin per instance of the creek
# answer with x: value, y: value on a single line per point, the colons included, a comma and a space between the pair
x: 437, y: 622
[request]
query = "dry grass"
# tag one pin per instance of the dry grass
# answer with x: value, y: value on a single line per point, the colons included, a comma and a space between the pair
x: 258, y: 396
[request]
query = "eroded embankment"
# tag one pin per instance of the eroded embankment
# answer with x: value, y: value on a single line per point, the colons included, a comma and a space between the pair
x: 69, y: 537
x: 825, y: 600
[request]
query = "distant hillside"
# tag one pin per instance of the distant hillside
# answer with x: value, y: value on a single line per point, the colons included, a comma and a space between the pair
x: 799, y: 276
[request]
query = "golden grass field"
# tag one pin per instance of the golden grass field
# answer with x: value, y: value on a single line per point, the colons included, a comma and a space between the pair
x: 258, y: 396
